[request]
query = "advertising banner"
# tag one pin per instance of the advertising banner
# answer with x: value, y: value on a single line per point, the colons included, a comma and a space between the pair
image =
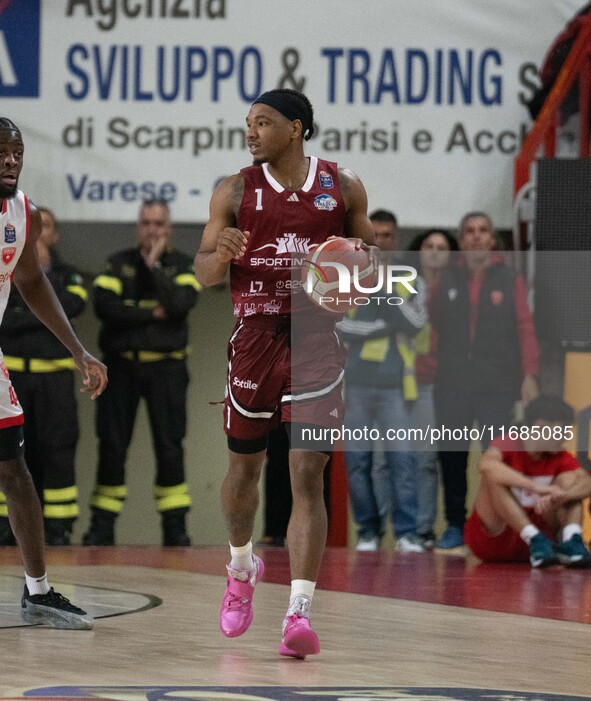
x: 121, y: 100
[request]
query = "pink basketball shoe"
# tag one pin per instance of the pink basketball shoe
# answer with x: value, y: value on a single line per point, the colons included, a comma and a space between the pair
x: 299, y: 639
x: 236, y: 609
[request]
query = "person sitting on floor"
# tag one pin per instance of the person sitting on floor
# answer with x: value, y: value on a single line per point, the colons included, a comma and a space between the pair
x: 531, y: 491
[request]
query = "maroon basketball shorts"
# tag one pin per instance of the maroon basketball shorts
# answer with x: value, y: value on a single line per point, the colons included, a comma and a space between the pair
x: 278, y: 375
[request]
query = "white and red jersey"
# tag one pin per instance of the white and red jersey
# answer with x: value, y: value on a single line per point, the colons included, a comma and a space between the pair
x: 14, y: 229
x: 285, y: 227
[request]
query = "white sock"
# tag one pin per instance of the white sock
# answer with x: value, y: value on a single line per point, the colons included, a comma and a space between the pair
x: 528, y: 532
x: 242, y: 557
x: 570, y: 530
x: 302, y: 587
x: 302, y: 591
x: 37, y: 585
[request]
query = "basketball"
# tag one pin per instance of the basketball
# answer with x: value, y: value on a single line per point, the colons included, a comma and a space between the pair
x: 337, y: 276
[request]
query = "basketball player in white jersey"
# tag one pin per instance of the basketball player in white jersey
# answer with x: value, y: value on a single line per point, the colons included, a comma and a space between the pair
x: 20, y: 226
x: 286, y: 202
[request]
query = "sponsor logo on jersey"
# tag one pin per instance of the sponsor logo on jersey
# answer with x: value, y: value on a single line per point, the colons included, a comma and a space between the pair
x: 255, y: 290
x: 8, y: 254
x: 244, y: 384
x: 273, y: 307
x: 293, y: 198
x: 290, y: 243
x: 325, y: 203
x: 325, y: 180
x: 9, y: 233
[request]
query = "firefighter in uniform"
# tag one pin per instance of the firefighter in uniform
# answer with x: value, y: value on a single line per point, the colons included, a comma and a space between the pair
x: 42, y: 373
x: 143, y: 298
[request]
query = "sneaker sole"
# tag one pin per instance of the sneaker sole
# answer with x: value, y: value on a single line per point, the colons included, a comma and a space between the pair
x: 544, y: 562
x: 300, y: 643
x: 579, y: 562
x: 39, y: 615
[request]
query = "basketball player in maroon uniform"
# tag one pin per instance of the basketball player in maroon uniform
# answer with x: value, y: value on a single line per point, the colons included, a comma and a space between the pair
x: 20, y: 227
x: 282, y: 207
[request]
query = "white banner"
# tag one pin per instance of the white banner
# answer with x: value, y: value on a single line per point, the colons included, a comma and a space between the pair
x: 124, y: 99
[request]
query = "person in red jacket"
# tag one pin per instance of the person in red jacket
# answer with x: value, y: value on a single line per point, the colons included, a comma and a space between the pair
x: 487, y: 357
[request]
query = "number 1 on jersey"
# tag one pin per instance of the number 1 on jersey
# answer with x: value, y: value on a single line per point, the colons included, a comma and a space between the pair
x: 259, y: 191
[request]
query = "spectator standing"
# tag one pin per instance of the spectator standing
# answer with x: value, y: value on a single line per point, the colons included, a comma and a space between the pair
x: 487, y: 356
x: 378, y: 366
x: 433, y: 248
x: 143, y: 298
x: 42, y: 372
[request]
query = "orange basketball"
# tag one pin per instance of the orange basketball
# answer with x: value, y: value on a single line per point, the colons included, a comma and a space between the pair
x: 337, y: 276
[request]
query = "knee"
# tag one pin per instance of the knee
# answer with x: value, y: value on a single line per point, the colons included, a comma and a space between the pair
x: 244, y: 471
x: 565, y: 479
x: 307, y: 481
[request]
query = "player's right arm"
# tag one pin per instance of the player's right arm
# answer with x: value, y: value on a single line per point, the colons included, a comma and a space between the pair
x: 357, y: 223
x: 222, y: 241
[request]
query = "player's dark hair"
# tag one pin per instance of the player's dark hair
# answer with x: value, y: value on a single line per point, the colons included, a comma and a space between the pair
x: 293, y: 105
x: 548, y: 407
x: 384, y: 215
x: 153, y: 201
x: 8, y: 125
x: 419, y: 240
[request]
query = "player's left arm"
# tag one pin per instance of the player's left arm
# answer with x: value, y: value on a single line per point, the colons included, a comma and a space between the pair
x: 578, y: 490
x: 40, y: 297
x: 357, y: 223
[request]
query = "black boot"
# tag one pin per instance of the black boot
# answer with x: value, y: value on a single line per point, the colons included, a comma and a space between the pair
x: 6, y: 534
x: 102, y: 528
x: 174, y: 532
x: 58, y: 530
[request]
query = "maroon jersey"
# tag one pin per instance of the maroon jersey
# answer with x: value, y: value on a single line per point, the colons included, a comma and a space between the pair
x: 285, y: 226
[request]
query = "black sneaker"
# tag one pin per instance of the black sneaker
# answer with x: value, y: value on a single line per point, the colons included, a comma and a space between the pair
x: 174, y: 531
x: 573, y: 552
x: 6, y: 534
x: 428, y: 540
x: 57, y: 531
x: 102, y: 529
x: 271, y: 541
x: 54, y: 610
x: 541, y: 552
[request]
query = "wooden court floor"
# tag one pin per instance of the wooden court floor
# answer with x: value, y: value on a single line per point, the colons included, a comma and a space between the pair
x: 391, y: 626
